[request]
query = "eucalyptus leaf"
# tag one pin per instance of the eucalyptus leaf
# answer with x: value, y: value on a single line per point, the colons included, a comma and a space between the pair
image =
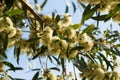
x: 88, y: 13
x: 13, y: 12
x: 43, y: 4
x: 76, y: 26
x: 74, y: 7
x: 54, y: 68
x: 106, y: 61
x: 89, y: 29
x: 35, y: 77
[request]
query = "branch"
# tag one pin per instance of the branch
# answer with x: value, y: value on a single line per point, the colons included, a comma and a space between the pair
x: 36, y: 16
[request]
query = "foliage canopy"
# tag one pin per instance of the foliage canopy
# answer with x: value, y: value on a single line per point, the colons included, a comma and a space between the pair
x: 55, y: 39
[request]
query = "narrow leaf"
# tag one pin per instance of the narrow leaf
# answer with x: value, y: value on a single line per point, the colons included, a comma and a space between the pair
x: 106, y: 61
x: 76, y: 26
x: 35, y: 77
x: 57, y: 19
x: 43, y: 4
x: 8, y: 64
x: 89, y: 29
x: 54, y: 68
x: 99, y: 18
x: 74, y: 7
x: 66, y: 9
x: 88, y: 13
x: 13, y: 12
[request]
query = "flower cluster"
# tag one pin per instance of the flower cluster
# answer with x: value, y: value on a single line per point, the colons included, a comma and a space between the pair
x: 64, y: 40
x: 97, y: 72
x: 7, y: 27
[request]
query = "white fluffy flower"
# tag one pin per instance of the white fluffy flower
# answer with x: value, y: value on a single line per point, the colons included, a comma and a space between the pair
x: 5, y: 24
x: 46, y: 36
x: 48, y: 31
x: 11, y: 32
x: 60, y: 78
x: 63, y: 47
x: 54, y: 47
x: 98, y: 74
x: 85, y: 41
x: 9, y: 22
x: 66, y: 21
x: 73, y: 53
x: 37, y: 7
x: 45, y: 40
x: 51, y: 76
x: 69, y: 32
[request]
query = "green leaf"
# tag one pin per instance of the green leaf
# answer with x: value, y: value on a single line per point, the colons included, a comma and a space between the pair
x: 66, y: 9
x: 16, y: 68
x: 55, y: 68
x: 63, y: 65
x: 91, y: 58
x: 10, y: 77
x: 9, y: 4
x: 74, y: 7
x: 5, y: 42
x: 57, y: 19
x: 37, y: 69
x: 35, y: 77
x: 115, y: 51
x: 83, y: 5
x: 80, y: 64
x: 106, y: 61
x: 43, y: 4
x: 56, y: 59
x: 99, y: 18
x: 100, y: 60
x: 8, y: 64
x: 76, y: 26
x: 53, y: 15
x: 89, y: 29
x: 88, y: 13
x: 17, y: 52
x: 13, y: 12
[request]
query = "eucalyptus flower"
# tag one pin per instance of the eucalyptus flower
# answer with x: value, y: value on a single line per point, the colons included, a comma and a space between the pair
x: 54, y: 47
x: 66, y: 21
